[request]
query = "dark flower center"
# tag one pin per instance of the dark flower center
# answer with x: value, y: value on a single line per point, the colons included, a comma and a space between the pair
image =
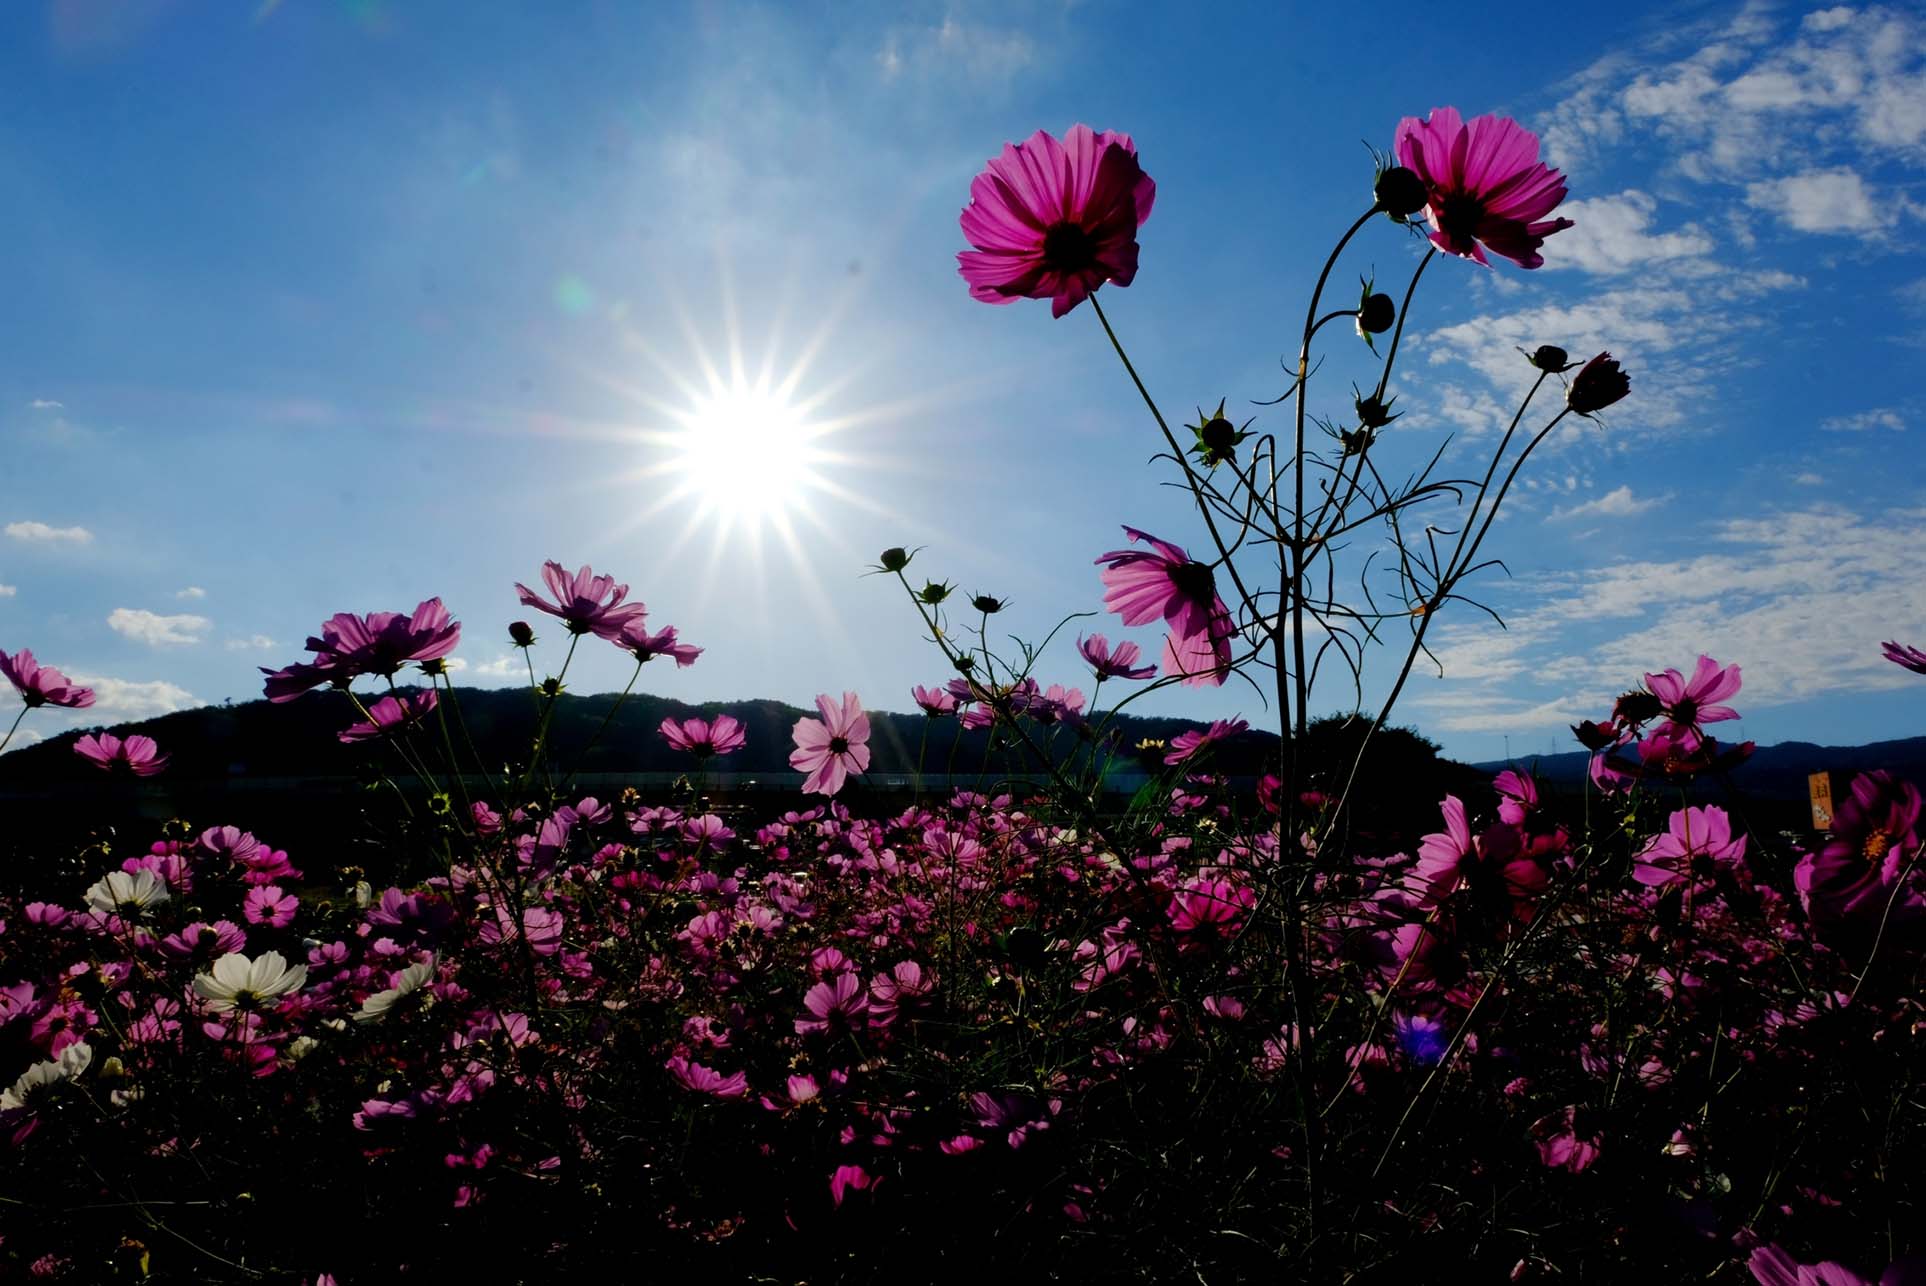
x: 838, y: 745
x: 1876, y: 845
x: 1685, y: 711
x: 1193, y: 581
x: 1219, y: 433
x: 1068, y: 248
x: 1460, y: 215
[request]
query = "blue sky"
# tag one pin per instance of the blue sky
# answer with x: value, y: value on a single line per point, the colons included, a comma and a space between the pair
x: 321, y: 306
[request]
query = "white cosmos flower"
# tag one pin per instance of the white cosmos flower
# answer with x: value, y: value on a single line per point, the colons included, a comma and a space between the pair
x: 240, y: 983
x: 128, y: 894
x: 407, y: 982
x: 73, y: 1060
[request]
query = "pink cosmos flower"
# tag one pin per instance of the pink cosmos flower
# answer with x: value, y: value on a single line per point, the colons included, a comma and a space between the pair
x: 270, y: 906
x: 1205, y: 906
x: 836, y: 1003
x: 831, y: 748
x: 586, y: 602
x: 1910, y: 657
x: 1163, y: 582
x: 1772, y: 1266
x: 635, y: 639
x: 1186, y: 744
x: 1694, y: 839
x: 1118, y: 664
x: 1850, y: 881
x: 391, y: 715
x: 136, y: 754
x: 205, y: 942
x: 1487, y: 188
x: 1517, y: 797
x: 42, y: 685
x: 379, y: 643
x: 702, y: 737
x: 706, y: 1080
x: 1055, y: 220
x: 848, y: 1178
x: 1559, y: 1145
x: 936, y: 702
x: 1688, y: 703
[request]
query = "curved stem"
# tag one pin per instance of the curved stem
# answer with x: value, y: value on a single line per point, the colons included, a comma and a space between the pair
x: 16, y: 726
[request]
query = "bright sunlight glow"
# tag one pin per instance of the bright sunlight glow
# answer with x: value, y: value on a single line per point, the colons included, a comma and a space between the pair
x: 745, y: 453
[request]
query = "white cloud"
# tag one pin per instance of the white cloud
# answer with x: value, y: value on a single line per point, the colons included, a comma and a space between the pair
x: 41, y: 534
x: 1836, y: 200
x: 1881, y: 417
x: 47, y: 404
x: 1800, y: 599
x: 192, y: 591
x: 970, y: 51
x: 1616, y: 503
x: 1809, y: 479
x: 119, y: 700
x: 8, y: 591
x: 502, y: 667
x: 1611, y: 234
x: 253, y: 642
x: 157, y: 630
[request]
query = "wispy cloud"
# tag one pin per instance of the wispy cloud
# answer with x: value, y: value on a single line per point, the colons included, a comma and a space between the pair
x: 1616, y: 503
x: 1800, y: 598
x: 156, y: 630
x: 192, y: 591
x: 955, y: 49
x: 1835, y: 200
x: 252, y: 643
x: 39, y: 533
x: 1613, y: 234
x: 1882, y: 417
x: 8, y: 591
x: 47, y: 404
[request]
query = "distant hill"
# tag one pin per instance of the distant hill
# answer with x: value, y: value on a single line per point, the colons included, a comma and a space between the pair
x: 1773, y: 772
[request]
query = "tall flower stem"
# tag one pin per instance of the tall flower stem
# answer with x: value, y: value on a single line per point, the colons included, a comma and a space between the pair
x: 606, y: 720
x: 15, y: 728
x: 548, y: 711
x: 1176, y: 451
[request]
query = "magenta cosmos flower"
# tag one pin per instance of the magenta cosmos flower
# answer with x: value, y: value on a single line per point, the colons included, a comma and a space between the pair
x: 1187, y: 744
x: 1696, y: 841
x: 586, y: 602
x: 1055, y: 220
x: 635, y: 639
x: 936, y: 702
x: 42, y: 685
x: 1772, y: 1266
x: 704, y: 737
x: 136, y: 754
x: 830, y: 748
x: 1118, y: 664
x: 1487, y: 188
x: 1163, y: 581
x: 1910, y: 657
x: 1687, y: 703
x: 1875, y: 837
x: 391, y: 715
x: 379, y: 643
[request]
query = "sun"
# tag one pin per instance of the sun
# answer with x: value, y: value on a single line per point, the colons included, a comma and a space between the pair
x: 745, y: 453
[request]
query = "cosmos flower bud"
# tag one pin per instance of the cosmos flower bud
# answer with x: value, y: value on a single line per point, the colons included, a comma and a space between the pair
x: 1636, y: 707
x: 1217, y: 437
x: 1356, y: 440
x: 521, y: 634
x: 1594, y: 737
x: 988, y: 605
x: 551, y: 688
x: 1400, y: 192
x: 1376, y: 312
x: 965, y: 663
x: 1550, y: 358
x: 894, y: 559
x: 1599, y: 384
x: 1375, y: 412
x: 932, y: 593
x: 434, y: 666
